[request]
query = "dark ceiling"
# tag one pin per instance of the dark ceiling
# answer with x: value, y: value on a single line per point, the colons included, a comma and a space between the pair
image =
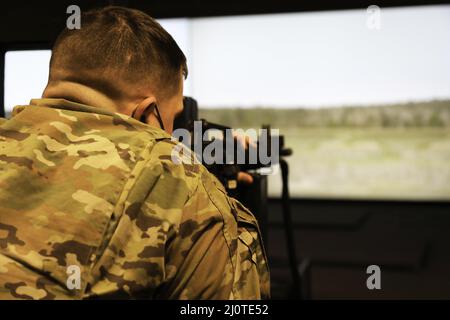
x: 25, y: 22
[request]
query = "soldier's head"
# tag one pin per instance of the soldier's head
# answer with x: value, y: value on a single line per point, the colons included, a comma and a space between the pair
x: 120, y: 59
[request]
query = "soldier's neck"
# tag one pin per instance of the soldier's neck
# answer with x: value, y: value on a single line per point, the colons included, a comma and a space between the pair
x: 80, y: 93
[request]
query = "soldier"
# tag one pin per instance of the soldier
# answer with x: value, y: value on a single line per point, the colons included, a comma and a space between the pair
x: 91, y: 203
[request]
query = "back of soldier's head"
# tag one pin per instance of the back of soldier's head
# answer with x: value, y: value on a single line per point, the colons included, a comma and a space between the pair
x: 117, y: 46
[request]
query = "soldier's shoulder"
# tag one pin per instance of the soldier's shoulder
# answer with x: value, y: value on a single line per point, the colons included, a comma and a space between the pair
x: 179, y: 161
x: 176, y: 161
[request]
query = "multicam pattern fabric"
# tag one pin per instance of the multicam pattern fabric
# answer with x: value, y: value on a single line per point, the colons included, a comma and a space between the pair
x: 81, y: 186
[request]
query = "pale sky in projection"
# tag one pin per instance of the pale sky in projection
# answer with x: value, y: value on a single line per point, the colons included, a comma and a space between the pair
x: 323, y: 58
x: 299, y: 59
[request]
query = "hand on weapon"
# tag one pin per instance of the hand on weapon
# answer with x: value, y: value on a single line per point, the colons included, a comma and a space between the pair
x: 246, y: 142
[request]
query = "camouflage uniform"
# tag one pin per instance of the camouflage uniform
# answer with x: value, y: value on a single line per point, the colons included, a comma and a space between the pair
x: 81, y: 186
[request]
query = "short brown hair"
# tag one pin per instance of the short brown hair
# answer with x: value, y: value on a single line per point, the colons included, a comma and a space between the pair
x: 120, y: 42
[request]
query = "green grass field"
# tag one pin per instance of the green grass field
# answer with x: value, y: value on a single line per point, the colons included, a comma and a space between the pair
x: 376, y: 163
x: 373, y: 162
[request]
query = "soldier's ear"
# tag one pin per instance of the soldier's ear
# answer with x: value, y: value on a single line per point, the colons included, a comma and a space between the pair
x: 140, y: 110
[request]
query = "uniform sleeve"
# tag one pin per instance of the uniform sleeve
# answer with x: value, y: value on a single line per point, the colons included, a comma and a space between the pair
x: 217, y: 253
x: 198, y: 257
x: 133, y: 262
x: 252, y: 277
x: 186, y: 240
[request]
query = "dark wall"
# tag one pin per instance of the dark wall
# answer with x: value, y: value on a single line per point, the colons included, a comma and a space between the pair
x: 409, y: 241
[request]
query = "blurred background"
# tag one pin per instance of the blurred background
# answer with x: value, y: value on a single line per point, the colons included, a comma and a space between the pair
x: 362, y: 97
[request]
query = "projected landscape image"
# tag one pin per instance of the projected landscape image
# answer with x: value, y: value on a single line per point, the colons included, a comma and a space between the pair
x: 379, y: 152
